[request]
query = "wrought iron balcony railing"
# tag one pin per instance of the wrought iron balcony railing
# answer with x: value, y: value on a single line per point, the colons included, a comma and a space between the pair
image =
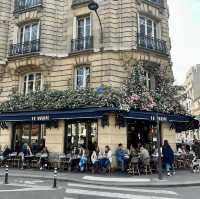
x: 24, y: 48
x: 155, y: 2
x: 80, y: 44
x: 23, y: 5
x: 152, y: 43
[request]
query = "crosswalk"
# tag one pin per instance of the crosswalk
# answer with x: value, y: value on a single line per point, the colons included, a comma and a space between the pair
x: 74, y: 191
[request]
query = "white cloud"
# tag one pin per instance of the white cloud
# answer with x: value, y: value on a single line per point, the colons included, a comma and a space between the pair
x: 185, y: 35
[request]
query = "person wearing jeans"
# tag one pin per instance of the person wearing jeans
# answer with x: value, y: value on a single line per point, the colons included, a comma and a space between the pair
x: 168, y: 158
x: 120, y: 153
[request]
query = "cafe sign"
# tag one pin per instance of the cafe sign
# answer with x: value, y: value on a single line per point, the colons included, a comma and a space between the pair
x: 40, y: 118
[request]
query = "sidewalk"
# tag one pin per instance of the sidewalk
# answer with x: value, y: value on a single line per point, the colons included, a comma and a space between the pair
x: 182, y: 178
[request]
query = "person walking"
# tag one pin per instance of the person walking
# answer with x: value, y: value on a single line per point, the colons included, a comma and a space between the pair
x: 168, y: 158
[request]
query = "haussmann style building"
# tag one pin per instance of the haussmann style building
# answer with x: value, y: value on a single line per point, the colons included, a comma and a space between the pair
x: 59, y: 44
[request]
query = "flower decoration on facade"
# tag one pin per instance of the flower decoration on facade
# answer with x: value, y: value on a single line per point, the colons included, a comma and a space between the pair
x: 133, y: 94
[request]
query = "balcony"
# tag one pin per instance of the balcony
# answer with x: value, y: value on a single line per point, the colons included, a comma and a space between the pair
x: 154, y: 2
x: 82, y: 44
x: 151, y: 43
x: 24, y: 5
x: 79, y: 2
x: 24, y: 48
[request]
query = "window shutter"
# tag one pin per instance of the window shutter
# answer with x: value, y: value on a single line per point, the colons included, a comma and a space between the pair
x: 74, y: 27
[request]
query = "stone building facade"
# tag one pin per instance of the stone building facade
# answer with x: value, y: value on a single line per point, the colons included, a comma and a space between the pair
x: 55, y: 44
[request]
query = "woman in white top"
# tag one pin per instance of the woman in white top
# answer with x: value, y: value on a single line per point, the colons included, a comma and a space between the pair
x: 95, y: 158
x: 106, y: 161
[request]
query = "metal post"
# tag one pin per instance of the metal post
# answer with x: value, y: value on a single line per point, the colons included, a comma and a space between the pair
x: 6, y: 175
x: 159, y: 151
x: 55, y: 178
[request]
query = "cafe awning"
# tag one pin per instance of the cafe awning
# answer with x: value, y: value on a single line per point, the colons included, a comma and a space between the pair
x: 181, y: 122
x: 83, y: 113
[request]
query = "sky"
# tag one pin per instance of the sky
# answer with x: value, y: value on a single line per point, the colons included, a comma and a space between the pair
x: 184, y: 26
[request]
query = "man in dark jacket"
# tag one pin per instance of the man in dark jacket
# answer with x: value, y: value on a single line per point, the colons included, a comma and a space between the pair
x: 168, y: 158
x: 196, y: 148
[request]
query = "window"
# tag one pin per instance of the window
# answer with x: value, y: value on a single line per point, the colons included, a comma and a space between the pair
x: 82, y: 77
x: 27, y: 40
x: 148, y: 31
x: 28, y: 32
x: 80, y: 134
x: 147, y: 27
x: 82, y: 34
x: 32, y: 82
x: 147, y: 80
x: 83, y: 26
x: 32, y: 134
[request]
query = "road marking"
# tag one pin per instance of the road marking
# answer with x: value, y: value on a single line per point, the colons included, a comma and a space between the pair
x: 122, y: 189
x: 94, y: 178
x: 111, y: 195
x: 68, y: 198
x: 28, y: 189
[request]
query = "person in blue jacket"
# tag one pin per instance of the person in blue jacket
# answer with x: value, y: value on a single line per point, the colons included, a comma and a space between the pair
x: 168, y: 158
x: 120, y: 153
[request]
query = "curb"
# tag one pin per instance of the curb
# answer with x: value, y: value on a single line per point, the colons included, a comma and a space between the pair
x: 150, y: 185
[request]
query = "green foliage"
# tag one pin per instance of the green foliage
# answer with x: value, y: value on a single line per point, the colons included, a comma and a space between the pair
x: 56, y: 100
x: 132, y: 95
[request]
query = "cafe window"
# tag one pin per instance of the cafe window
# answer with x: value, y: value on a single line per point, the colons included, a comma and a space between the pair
x: 83, y: 134
x: 32, y: 134
x: 32, y: 82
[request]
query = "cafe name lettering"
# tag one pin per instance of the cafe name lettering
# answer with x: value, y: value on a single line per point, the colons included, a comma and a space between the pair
x: 40, y: 118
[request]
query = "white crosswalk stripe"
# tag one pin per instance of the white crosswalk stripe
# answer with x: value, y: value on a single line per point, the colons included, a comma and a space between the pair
x: 74, y: 190
x: 122, y: 189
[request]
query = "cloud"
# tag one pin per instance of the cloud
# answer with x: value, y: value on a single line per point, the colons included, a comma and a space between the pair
x: 185, y: 35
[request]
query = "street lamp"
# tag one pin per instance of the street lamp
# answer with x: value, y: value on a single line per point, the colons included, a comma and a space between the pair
x: 94, y: 7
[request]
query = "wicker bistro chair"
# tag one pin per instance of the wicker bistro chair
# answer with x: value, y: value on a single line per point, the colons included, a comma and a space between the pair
x: 54, y: 161
x: 189, y: 159
x: 147, y: 166
x: 181, y: 161
x: 134, y: 166
x: 35, y: 161
x: 17, y: 161
x: 64, y: 162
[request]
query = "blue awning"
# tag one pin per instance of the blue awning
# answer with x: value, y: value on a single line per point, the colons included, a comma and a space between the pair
x: 181, y: 122
x: 43, y: 116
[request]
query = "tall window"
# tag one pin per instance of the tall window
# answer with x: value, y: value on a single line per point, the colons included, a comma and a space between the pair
x: 28, y: 33
x: 147, y: 27
x: 147, y: 80
x: 32, y: 82
x: 83, y: 26
x: 82, y: 77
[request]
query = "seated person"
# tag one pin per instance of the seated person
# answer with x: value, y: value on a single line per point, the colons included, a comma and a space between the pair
x: 106, y: 160
x: 120, y: 155
x: 6, y: 152
x: 25, y: 154
x: 83, y: 159
x: 95, y: 158
x: 44, y: 158
x: 144, y: 155
x: 132, y: 151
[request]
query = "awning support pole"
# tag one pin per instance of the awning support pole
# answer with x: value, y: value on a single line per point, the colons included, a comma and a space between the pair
x: 160, y: 177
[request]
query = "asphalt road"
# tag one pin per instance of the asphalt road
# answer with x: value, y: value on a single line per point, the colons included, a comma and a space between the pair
x: 39, y: 189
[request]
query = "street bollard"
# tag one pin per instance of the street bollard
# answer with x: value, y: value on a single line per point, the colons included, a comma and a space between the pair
x: 6, y: 175
x: 55, y: 178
